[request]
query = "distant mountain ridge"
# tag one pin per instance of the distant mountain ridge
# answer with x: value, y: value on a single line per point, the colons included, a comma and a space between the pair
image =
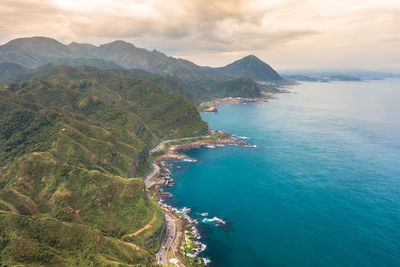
x: 204, y: 83
x: 35, y: 51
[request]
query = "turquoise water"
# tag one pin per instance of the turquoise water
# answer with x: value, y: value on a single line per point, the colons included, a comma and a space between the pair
x: 321, y: 189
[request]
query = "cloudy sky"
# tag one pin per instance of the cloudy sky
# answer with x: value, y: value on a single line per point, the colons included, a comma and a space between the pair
x: 285, y: 33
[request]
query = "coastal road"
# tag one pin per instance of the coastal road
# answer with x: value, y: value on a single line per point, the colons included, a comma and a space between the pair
x: 171, y: 224
x: 154, y: 172
x: 169, y: 239
x: 159, y: 146
x: 156, y: 169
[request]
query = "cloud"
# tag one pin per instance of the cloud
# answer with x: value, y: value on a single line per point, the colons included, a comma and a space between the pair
x: 205, y: 24
x: 273, y: 28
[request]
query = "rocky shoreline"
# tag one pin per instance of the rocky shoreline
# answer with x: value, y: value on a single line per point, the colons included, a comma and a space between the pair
x: 186, y: 226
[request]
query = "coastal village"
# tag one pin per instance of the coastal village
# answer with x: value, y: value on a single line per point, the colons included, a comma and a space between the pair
x: 211, y: 106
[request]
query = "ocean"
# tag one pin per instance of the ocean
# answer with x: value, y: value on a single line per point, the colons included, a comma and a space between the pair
x: 321, y: 189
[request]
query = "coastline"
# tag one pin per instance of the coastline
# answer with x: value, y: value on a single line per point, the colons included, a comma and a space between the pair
x: 198, y: 155
x: 211, y: 106
x: 160, y: 178
x: 185, y: 246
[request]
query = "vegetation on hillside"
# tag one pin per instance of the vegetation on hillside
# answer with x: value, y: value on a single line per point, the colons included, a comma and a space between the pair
x: 71, y: 142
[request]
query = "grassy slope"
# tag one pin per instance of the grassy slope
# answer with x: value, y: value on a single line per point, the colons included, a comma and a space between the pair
x: 68, y: 145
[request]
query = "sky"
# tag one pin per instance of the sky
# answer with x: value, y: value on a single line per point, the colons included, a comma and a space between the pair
x: 287, y: 34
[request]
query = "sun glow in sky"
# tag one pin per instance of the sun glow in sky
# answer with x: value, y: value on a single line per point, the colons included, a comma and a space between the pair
x: 284, y: 33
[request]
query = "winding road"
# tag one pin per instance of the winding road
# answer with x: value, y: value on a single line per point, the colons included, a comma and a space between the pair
x: 171, y: 224
x: 156, y: 169
x: 171, y: 229
x: 154, y: 172
x: 160, y: 145
x: 169, y: 239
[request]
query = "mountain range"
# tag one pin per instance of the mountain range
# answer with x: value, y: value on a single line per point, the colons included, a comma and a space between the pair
x: 204, y: 82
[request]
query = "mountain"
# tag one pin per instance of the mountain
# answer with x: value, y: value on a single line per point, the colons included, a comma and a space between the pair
x: 130, y: 56
x: 36, y: 51
x: 32, y: 52
x: 74, y: 143
x: 202, y: 81
x: 252, y: 67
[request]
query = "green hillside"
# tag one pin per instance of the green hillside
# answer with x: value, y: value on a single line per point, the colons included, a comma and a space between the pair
x: 71, y: 143
x: 169, y: 85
